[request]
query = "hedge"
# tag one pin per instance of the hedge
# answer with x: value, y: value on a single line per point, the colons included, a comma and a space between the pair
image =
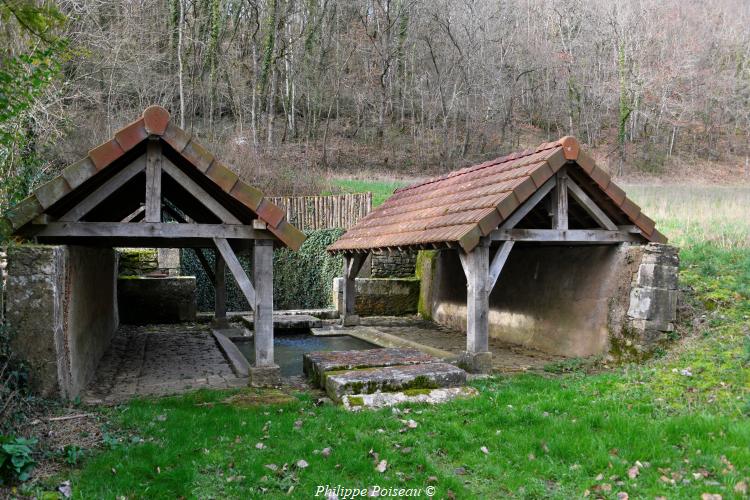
x: 301, y: 280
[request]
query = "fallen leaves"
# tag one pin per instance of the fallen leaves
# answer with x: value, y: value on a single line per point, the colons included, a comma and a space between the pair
x: 633, y: 472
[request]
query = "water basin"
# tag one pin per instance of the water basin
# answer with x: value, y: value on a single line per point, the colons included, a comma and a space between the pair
x: 288, y: 349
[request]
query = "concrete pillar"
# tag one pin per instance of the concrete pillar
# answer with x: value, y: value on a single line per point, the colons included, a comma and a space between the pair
x: 265, y: 372
x: 477, y: 357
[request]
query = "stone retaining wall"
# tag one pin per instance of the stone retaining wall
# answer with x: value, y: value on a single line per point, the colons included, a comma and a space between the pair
x: 156, y: 300
x: 393, y: 264
x: 62, y: 311
x: 566, y: 300
x: 381, y: 296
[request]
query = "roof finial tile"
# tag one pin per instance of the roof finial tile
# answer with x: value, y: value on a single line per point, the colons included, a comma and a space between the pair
x: 156, y: 119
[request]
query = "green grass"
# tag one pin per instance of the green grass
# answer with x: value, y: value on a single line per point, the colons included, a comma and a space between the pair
x: 554, y: 436
x: 381, y: 189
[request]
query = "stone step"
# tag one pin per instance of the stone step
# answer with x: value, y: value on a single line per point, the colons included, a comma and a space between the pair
x: 316, y: 364
x: 392, y: 379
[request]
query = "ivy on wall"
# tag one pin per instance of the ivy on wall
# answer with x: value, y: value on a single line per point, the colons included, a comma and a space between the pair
x: 301, y: 280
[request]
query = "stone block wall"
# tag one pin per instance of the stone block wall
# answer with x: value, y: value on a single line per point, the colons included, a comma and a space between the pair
x: 62, y: 312
x: 654, y: 291
x: 393, y: 264
x: 380, y: 296
x: 144, y: 261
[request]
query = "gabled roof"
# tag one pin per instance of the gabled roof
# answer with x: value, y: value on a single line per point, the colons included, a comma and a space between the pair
x: 84, y: 176
x: 461, y: 207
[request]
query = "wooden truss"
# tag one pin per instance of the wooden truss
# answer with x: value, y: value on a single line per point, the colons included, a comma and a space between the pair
x: 167, y: 223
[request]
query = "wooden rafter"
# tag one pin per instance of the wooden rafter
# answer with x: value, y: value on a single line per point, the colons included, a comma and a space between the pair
x: 591, y: 208
x: 199, y: 193
x: 105, y: 190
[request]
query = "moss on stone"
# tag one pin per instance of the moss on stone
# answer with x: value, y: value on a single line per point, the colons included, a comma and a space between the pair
x: 417, y: 392
x: 356, y: 401
x: 423, y: 258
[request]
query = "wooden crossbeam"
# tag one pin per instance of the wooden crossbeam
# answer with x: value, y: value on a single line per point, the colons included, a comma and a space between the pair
x: 151, y: 230
x: 498, y: 261
x: 199, y: 193
x: 105, y: 190
x: 153, y: 181
x: 591, y: 208
x: 234, y: 266
x: 529, y: 204
x: 568, y: 236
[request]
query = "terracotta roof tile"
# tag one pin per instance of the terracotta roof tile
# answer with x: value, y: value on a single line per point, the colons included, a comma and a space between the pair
x: 155, y: 118
x: 106, y: 153
x: 222, y: 176
x: 462, y: 206
x: 197, y: 155
x: 52, y: 191
x: 79, y: 172
x: 131, y: 135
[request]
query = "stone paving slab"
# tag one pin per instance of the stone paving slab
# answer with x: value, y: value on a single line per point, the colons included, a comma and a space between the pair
x: 393, y: 379
x: 158, y: 360
x: 315, y: 364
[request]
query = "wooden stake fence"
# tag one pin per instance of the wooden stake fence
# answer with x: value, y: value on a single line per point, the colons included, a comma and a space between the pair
x: 325, y: 212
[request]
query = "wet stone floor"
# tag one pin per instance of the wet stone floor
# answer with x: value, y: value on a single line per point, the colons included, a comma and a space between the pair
x: 158, y: 360
x: 506, y: 358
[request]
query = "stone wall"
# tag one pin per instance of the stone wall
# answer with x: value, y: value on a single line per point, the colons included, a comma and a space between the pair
x: 567, y: 300
x: 144, y: 261
x: 145, y: 300
x: 380, y: 296
x: 393, y: 264
x: 62, y: 310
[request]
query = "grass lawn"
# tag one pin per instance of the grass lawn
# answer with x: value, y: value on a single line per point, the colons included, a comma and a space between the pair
x: 381, y: 189
x: 676, y: 426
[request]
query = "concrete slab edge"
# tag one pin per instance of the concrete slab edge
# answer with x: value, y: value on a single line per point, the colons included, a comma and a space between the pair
x: 358, y: 402
x: 382, y: 339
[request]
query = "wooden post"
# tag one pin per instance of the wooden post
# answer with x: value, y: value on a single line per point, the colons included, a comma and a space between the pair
x: 153, y: 181
x: 352, y: 265
x: 263, y: 280
x: 477, y: 357
x: 220, y: 291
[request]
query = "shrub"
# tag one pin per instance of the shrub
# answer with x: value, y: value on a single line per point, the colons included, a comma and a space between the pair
x: 16, y: 462
x: 301, y: 280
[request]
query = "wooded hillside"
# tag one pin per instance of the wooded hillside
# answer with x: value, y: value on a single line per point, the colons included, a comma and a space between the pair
x: 280, y: 87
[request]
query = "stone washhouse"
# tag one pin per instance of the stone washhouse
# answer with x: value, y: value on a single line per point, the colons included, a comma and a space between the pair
x: 151, y: 186
x: 537, y: 248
